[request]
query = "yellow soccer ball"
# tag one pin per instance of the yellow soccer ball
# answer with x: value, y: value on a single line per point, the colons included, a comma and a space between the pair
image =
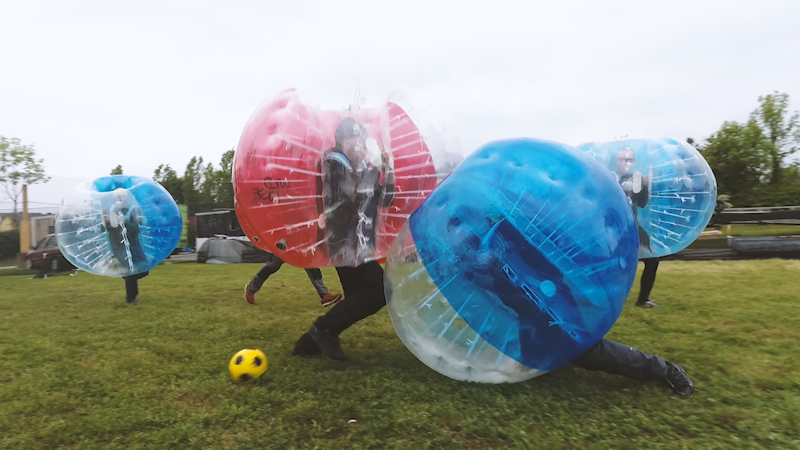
x: 248, y: 364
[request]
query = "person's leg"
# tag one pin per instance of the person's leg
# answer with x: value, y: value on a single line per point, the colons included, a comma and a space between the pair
x: 647, y: 282
x: 270, y: 267
x: 619, y: 359
x: 267, y: 270
x: 325, y: 296
x: 132, y: 287
x: 363, y: 297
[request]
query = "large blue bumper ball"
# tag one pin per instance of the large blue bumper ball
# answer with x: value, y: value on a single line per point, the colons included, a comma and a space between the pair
x: 118, y: 226
x: 669, y: 185
x: 517, y: 263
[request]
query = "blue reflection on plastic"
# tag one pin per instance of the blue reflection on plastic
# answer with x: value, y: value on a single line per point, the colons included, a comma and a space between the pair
x: 118, y: 225
x: 534, y: 245
x: 670, y: 186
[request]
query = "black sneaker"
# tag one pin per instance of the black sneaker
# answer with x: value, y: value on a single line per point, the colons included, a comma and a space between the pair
x: 328, y: 343
x: 678, y: 381
x: 131, y: 301
x: 647, y: 304
x: 305, y: 347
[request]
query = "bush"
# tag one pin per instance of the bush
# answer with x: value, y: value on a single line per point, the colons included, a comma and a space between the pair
x: 9, y: 243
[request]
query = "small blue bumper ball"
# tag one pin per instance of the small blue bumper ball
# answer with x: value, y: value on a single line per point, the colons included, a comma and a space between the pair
x: 669, y: 185
x: 518, y: 262
x: 118, y: 226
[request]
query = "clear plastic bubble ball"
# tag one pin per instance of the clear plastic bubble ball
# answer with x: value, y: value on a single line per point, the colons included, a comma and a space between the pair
x: 118, y: 226
x: 670, y: 188
x: 518, y: 262
x: 333, y: 187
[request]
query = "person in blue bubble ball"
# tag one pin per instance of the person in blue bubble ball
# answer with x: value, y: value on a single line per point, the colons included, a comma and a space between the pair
x: 122, y: 221
x: 365, y: 294
x: 484, y: 265
x: 637, y: 189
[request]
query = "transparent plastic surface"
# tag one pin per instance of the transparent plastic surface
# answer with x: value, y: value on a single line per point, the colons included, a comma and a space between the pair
x: 433, y: 331
x: 333, y: 188
x: 670, y: 188
x: 117, y: 226
x: 517, y: 262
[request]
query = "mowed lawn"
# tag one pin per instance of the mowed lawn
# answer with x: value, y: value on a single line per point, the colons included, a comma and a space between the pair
x: 80, y: 369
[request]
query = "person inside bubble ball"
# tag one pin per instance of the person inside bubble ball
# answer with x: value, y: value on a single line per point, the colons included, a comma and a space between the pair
x: 357, y: 178
x: 122, y: 223
x: 636, y: 188
x: 364, y: 295
x: 485, y: 265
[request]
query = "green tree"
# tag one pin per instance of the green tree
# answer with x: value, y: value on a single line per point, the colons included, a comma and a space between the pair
x: 223, y: 179
x: 117, y: 170
x: 193, y: 180
x: 18, y: 167
x: 167, y: 177
x: 780, y: 129
x: 207, y: 185
x: 738, y: 156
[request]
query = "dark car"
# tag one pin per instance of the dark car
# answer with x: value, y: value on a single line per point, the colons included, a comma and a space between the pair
x: 47, y: 256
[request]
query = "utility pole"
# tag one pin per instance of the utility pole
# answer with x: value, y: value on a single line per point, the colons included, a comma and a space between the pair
x: 24, y: 230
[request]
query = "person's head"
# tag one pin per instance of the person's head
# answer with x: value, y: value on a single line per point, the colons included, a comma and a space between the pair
x: 349, y: 134
x: 626, y: 159
x: 121, y: 195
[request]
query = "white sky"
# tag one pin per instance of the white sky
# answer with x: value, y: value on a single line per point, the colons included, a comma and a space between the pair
x: 93, y: 84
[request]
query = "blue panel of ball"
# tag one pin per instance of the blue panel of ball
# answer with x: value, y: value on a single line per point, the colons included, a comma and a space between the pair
x: 670, y: 188
x: 118, y: 225
x: 533, y: 245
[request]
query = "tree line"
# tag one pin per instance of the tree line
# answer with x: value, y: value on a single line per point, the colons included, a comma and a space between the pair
x: 200, y: 184
x: 752, y: 160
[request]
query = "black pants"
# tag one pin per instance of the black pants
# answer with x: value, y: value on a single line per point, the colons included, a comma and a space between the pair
x: 363, y: 297
x: 619, y: 359
x: 273, y: 265
x: 132, y: 285
x: 648, y: 279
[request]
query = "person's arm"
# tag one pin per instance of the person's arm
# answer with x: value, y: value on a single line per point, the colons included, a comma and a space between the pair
x: 335, y: 180
x: 641, y: 192
x: 387, y: 188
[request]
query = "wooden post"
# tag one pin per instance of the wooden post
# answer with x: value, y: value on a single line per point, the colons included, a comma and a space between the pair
x: 24, y: 229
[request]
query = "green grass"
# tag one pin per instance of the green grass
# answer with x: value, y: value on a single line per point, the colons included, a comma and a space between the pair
x: 721, y: 240
x: 4, y: 262
x: 80, y: 369
x: 760, y: 230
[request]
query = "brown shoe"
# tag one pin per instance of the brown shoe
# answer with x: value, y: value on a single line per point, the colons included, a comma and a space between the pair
x: 330, y: 299
x: 249, y: 297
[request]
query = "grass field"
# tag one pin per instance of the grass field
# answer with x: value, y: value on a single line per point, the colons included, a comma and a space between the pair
x: 760, y: 230
x: 80, y: 369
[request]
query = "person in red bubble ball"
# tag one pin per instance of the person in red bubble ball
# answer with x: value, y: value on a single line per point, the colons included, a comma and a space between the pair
x: 357, y: 178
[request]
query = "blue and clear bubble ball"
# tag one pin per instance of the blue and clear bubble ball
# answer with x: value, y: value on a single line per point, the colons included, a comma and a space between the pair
x: 669, y: 185
x: 118, y: 226
x: 518, y: 262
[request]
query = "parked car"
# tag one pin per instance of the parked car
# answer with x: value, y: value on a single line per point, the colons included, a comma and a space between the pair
x: 47, y: 256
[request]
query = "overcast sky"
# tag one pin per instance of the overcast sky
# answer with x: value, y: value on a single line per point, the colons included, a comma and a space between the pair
x: 93, y: 84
